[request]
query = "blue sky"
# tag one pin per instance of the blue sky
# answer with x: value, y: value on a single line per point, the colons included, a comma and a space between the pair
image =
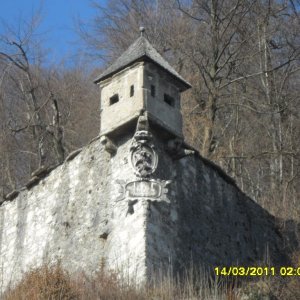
x: 57, y: 21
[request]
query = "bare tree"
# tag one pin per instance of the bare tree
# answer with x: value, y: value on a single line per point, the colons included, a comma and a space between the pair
x: 45, y: 109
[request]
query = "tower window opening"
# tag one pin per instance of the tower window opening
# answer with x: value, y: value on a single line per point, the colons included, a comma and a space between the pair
x: 131, y: 90
x: 169, y: 100
x: 152, y: 90
x: 114, y: 99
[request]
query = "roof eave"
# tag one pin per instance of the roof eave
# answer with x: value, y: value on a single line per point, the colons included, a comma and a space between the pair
x: 186, y: 85
x: 101, y: 78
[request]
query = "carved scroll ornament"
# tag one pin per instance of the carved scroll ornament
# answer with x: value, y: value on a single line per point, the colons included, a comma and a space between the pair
x: 149, y: 189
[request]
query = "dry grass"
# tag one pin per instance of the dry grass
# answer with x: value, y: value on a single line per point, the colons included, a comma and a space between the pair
x: 53, y: 283
x: 46, y: 282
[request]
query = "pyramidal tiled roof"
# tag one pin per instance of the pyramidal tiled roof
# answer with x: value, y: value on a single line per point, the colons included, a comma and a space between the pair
x: 140, y: 49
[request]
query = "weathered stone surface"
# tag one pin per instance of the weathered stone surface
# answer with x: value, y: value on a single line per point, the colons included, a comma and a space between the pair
x: 32, y: 181
x: 108, y: 144
x: 66, y: 214
x: 142, y: 76
x: 76, y: 214
x: 127, y: 108
x: 73, y: 154
x: 11, y: 195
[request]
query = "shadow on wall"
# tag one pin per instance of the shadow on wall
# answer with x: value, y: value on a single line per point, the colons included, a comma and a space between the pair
x: 220, y: 226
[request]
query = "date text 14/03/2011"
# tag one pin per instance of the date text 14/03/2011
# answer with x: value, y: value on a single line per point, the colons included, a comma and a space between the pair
x: 257, y: 271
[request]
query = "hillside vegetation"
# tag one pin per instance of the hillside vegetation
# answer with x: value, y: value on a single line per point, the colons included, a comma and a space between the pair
x: 242, y: 58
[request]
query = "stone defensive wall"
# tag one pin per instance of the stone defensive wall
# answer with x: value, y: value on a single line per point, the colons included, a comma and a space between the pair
x: 92, y: 211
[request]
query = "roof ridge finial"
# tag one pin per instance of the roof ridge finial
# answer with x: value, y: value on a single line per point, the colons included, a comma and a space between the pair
x: 142, y: 30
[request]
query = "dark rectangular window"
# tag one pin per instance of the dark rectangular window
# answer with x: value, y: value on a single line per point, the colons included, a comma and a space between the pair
x: 131, y: 90
x: 169, y: 100
x: 114, y: 99
x: 152, y: 90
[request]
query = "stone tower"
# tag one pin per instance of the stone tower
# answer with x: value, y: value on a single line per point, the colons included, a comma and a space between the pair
x: 171, y: 207
x: 139, y: 81
x: 137, y: 199
x: 141, y: 121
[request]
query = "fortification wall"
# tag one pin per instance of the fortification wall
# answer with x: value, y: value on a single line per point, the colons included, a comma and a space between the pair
x: 209, y: 223
x: 68, y: 215
x: 77, y: 214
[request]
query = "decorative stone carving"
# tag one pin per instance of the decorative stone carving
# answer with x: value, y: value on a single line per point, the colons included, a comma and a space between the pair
x: 108, y: 144
x: 144, y: 161
x: 148, y: 189
x: 142, y: 123
x: 142, y: 154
